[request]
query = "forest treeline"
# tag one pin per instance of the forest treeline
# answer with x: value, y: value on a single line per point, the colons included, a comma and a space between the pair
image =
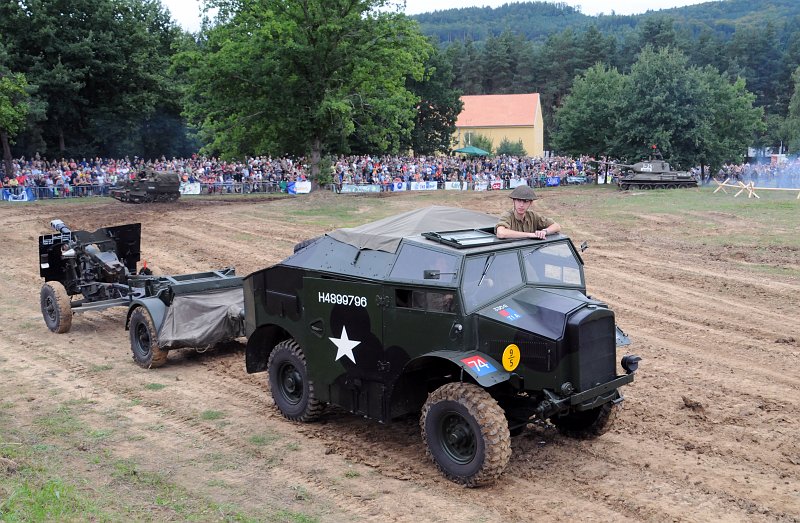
x: 120, y: 78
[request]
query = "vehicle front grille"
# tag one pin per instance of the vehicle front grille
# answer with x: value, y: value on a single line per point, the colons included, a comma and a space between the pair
x: 596, y: 348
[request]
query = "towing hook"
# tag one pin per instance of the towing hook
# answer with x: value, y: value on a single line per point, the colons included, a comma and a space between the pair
x: 630, y: 363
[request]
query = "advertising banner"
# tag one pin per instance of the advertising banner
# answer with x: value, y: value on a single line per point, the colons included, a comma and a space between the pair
x: 513, y: 183
x: 25, y: 195
x: 553, y: 181
x: 190, y: 188
x: 299, y: 187
x: 351, y: 188
x: 483, y: 186
x: 399, y: 186
x: 455, y: 186
x: 423, y: 186
x: 497, y: 185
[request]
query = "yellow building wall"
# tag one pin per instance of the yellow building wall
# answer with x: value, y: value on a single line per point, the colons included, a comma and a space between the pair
x: 532, y: 145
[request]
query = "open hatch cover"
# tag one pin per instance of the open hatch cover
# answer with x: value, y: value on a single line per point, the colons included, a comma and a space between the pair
x: 466, y: 238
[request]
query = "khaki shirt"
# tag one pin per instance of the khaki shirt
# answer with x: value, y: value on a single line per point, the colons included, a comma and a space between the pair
x: 531, y: 222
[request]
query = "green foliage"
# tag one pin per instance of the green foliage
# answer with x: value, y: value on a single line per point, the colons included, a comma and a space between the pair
x: 100, y: 71
x: 694, y: 116
x: 587, y: 122
x: 481, y: 142
x: 792, y: 124
x: 510, y: 148
x: 303, y: 77
x: 325, y: 176
x: 438, y: 106
x: 13, y: 102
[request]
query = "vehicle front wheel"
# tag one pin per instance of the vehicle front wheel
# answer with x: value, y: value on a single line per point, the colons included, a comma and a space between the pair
x: 292, y: 388
x: 56, y: 308
x: 587, y: 424
x: 466, y: 434
x: 144, y: 340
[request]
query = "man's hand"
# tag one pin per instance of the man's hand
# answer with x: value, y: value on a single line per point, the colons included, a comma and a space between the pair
x: 540, y: 234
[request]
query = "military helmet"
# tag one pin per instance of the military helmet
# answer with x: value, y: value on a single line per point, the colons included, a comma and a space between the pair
x: 523, y: 192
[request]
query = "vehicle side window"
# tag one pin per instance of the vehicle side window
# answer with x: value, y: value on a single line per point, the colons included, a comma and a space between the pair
x: 435, y: 301
x: 413, y: 262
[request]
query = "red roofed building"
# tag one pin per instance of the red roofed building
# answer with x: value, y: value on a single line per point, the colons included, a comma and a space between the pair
x: 498, y: 116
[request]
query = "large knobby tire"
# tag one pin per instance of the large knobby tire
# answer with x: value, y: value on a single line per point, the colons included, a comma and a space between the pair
x: 56, y: 308
x: 292, y: 388
x: 466, y: 434
x: 144, y: 340
x: 587, y: 424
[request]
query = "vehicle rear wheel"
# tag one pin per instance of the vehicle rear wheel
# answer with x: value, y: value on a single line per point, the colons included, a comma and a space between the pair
x: 144, y: 340
x: 292, y: 388
x: 56, y: 309
x: 466, y: 434
x: 587, y: 424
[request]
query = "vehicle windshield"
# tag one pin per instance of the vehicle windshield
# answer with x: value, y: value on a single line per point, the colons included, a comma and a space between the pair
x: 489, y: 276
x: 553, y: 264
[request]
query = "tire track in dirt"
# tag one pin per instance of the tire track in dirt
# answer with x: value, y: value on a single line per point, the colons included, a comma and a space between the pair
x: 190, y: 424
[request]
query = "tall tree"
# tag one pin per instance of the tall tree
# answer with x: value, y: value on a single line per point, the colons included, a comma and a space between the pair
x: 792, y: 125
x: 302, y: 76
x: 588, y: 120
x: 99, y: 65
x: 437, y: 109
x: 694, y: 116
x: 13, y: 110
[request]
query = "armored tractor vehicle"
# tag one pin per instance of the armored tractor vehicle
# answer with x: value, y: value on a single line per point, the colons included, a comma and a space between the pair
x: 429, y: 312
x: 149, y: 186
x: 91, y: 271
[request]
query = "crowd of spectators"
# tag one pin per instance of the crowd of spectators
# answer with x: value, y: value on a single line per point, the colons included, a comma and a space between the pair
x: 94, y: 176
x: 773, y: 174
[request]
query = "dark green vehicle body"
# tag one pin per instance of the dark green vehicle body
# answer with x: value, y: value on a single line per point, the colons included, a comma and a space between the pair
x: 149, y: 186
x: 386, y: 314
x: 655, y: 174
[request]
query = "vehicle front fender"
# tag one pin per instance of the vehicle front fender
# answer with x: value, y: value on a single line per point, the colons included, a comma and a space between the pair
x: 483, y: 369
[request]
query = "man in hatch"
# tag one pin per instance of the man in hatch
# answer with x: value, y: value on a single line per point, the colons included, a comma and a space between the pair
x: 521, y: 221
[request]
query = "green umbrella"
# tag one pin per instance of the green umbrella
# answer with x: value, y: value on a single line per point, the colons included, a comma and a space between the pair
x: 472, y: 150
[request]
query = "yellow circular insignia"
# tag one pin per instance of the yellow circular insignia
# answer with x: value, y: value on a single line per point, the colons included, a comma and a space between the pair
x: 511, y: 357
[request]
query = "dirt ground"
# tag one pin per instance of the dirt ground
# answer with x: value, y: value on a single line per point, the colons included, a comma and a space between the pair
x: 710, y: 430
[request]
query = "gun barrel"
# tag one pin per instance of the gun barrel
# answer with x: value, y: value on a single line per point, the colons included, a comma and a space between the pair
x: 60, y: 226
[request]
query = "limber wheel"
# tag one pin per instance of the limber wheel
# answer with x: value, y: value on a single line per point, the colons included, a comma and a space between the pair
x: 466, y: 434
x: 292, y: 389
x: 56, y: 308
x: 144, y: 340
x: 587, y: 424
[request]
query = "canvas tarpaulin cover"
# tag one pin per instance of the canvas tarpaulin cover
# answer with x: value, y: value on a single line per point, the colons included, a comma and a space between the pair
x: 202, y: 319
x: 385, y: 235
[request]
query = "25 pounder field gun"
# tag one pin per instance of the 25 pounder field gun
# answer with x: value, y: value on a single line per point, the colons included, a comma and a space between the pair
x: 91, y: 271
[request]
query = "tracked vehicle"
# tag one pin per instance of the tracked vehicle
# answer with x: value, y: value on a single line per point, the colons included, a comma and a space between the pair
x: 429, y: 312
x: 654, y: 174
x: 151, y: 186
x: 92, y: 271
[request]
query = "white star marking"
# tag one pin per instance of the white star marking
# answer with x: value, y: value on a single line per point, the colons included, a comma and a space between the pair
x: 344, y: 346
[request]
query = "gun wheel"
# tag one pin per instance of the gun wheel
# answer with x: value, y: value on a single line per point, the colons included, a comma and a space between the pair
x: 466, y: 434
x: 144, y: 340
x: 587, y: 424
x: 292, y: 388
x: 56, y: 309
